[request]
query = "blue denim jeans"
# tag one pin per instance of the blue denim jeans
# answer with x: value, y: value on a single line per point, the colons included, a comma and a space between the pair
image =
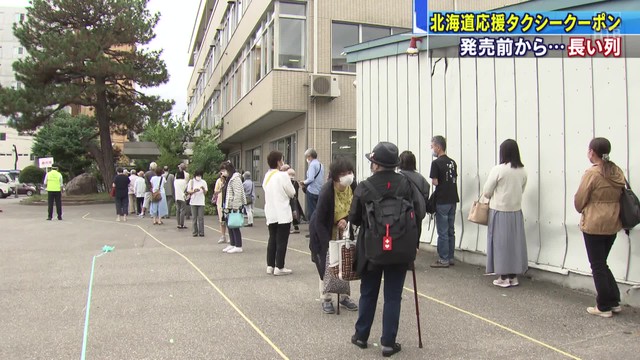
x: 445, y: 220
x: 369, y: 288
x: 312, y: 201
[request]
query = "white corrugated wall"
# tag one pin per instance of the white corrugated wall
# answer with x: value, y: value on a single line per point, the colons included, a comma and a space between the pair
x: 552, y: 107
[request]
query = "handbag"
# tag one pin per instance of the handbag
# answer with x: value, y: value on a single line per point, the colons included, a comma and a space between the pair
x: 303, y: 186
x: 342, y: 256
x: 629, y: 208
x: 235, y: 219
x: 332, y: 283
x: 112, y: 193
x: 479, y: 212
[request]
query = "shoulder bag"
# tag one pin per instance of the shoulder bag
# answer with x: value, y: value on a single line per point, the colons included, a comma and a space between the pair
x: 479, y: 212
x: 157, y: 195
x: 629, y: 208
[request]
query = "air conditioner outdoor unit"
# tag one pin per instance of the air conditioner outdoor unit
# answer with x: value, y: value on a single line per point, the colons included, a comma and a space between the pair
x: 324, y: 86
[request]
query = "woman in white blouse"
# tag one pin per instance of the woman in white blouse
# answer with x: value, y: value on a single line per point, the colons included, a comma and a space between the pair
x: 506, y: 242
x: 278, y: 192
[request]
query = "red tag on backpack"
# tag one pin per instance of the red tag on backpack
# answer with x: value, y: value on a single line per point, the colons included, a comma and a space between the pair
x: 387, y: 241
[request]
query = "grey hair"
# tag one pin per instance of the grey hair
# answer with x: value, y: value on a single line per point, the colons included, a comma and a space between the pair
x: 311, y: 152
x: 153, y: 166
x: 440, y: 141
x: 246, y: 175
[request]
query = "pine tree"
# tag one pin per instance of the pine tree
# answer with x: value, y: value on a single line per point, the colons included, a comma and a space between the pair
x: 87, y: 53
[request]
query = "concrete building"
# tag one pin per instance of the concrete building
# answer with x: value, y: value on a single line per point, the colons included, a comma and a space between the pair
x: 552, y: 106
x: 11, y: 142
x: 272, y: 75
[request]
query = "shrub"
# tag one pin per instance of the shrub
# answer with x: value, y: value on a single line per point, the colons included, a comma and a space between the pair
x: 31, y: 174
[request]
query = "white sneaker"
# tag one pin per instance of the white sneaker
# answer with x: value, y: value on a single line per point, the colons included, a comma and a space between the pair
x: 124, y: 218
x: 514, y: 281
x: 222, y: 240
x: 235, y: 250
x: 270, y: 270
x: 118, y: 218
x: 504, y: 283
x: 283, y: 271
x: 229, y: 247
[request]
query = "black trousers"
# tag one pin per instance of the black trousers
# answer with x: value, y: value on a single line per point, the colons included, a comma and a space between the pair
x: 598, y: 248
x: 277, y: 245
x: 54, y: 196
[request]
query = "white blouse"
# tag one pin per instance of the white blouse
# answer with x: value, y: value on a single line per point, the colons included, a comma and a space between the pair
x: 278, y: 191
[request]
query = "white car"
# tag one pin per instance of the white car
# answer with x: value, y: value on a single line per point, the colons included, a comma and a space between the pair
x: 5, y: 187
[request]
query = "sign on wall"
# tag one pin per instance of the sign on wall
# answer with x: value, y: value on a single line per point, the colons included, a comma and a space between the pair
x: 420, y: 16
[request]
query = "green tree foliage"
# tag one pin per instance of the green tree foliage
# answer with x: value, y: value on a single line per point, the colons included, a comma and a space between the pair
x: 171, y: 135
x: 207, y: 156
x: 87, y: 53
x: 31, y: 175
x: 61, y: 138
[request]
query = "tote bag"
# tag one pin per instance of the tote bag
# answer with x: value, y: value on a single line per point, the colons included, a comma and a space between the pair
x: 235, y: 220
x: 479, y: 212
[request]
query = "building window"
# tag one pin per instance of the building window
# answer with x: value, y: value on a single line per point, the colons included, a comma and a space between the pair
x: 292, y: 35
x: 253, y: 164
x: 3, y: 136
x: 343, y: 143
x: 344, y: 35
x: 287, y: 147
x: 235, y: 161
x: 20, y: 17
x: 18, y: 51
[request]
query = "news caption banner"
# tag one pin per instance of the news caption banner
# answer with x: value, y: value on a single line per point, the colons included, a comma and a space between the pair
x: 520, y: 34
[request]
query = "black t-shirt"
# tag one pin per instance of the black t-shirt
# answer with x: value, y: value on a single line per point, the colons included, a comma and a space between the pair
x: 446, y: 171
x: 122, y: 185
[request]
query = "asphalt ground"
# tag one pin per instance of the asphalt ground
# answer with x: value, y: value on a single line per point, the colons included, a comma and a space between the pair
x: 163, y: 294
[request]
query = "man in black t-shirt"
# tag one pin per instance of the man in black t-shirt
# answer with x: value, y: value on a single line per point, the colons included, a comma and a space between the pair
x: 444, y: 176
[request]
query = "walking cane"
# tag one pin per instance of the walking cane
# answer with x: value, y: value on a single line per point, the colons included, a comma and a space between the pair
x: 415, y: 294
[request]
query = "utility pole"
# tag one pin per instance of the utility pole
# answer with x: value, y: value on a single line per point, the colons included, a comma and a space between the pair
x: 15, y: 167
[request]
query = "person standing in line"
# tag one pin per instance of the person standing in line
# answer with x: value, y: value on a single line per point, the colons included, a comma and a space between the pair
x: 169, y: 189
x: 183, y: 167
x: 158, y: 209
x: 180, y: 187
x: 132, y: 191
x: 147, y: 195
x: 140, y: 189
x: 296, y: 208
x: 408, y: 168
x: 598, y: 202
x: 53, y: 183
x: 506, y: 241
x: 314, y: 181
x: 197, y: 188
x: 330, y: 223
x: 233, y: 203
x: 444, y: 176
x: 250, y: 194
x: 218, y: 200
x: 384, y: 160
x: 278, y: 192
x: 121, y: 186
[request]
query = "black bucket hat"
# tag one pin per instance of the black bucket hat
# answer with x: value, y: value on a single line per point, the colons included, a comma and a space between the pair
x: 384, y: 154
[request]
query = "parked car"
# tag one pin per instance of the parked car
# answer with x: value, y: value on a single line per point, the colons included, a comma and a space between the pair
x: 5, y: 190
x: 26, y: 189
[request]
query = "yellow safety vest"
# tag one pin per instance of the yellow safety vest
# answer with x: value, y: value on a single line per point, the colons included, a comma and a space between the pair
x: 54, y: 181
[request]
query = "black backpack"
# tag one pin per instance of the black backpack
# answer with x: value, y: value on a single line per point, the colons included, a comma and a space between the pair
x: 629, y: 209
x: 392, y: 236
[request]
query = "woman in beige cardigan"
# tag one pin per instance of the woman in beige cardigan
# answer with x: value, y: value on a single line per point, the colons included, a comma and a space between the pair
x: 598, y: 200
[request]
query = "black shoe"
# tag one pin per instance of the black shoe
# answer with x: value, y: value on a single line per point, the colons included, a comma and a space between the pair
x: 390, y: 350
x: 195, y: 235
x: 307, y: 236
x: 249, y: 225
x: 201, y: 235
x: 359, y: 343
x: 59, y: 217
x: 327, y: 307
x: 49, y: 219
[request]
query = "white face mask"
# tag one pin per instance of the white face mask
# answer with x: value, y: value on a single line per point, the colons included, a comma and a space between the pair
x: 434, y: 154
x: 225, y: 173
x: 198, y: 178
x: 308, y: 161
x: 346, y: 180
